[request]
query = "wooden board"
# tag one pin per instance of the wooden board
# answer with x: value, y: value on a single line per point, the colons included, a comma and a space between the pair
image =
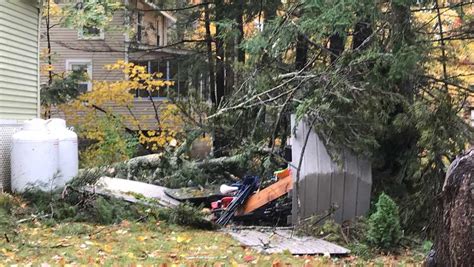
x: 280, y: 240
x: 270, y: 193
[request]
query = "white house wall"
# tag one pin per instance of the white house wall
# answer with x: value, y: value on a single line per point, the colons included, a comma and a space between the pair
x: 19, y: 73
x: 19, y: 60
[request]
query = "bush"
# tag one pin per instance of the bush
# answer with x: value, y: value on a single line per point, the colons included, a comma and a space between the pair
x: 384, y: 225
x: 111, y: 143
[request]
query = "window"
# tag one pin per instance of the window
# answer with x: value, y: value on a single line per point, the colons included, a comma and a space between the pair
x: 91, y: 33
x: 170, y: 71
x: 83, y: 67
x: 139, y: 27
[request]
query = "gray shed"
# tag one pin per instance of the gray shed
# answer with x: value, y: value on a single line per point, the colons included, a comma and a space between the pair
x: 324, y: 183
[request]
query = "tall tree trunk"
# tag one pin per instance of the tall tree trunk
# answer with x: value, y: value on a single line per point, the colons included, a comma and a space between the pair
x: 402, y: 35
x: 454, y: 240
x: 301, y: 57
x: 239, y: 19
x: 229, y: 57
x: 219, y: 138
x: 218, y: 94
x: 210, y: 56
x: 336, y: 46
x: 47, y: 107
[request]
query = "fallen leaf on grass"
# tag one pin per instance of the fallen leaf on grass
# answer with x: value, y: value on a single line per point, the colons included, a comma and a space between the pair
x: 125, y: 223
x: 142, y: 238
x: 121, y: 232
x: 249, y: 258
x: 183, y: 239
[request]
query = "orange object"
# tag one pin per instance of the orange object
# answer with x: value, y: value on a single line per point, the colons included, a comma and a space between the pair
x: 268, y: 194
x: 283, y: 173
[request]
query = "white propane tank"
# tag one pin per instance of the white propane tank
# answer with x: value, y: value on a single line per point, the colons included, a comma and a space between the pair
x: 34, y: 157
x: 68, y: 160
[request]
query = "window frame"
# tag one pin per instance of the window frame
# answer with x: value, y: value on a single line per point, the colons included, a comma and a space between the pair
x: 140, y: 26
x: 88, y: 62
x: 81, y: 36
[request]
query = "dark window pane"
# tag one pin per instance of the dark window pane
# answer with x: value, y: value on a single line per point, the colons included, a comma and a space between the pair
x: 91, y: 31
x: 82, y: 87
x: 139, y: 26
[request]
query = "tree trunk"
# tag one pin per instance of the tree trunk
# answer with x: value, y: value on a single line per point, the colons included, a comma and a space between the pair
x: 229, y: 65
x: 210, y: 57
x: 239, y: 19
x: 402, y: 35
x: 301, y: 57
x: 336, y: 46
x: 218, y: 94
x: 454, y: 240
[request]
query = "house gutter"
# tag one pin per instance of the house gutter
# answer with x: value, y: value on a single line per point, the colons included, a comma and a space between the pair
x: 40, y: 6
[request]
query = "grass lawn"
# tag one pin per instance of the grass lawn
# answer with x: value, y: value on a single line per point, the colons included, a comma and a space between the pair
x: 151, y: 243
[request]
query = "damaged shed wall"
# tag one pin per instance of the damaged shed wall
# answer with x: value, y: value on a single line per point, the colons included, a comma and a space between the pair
x: 324, y: 183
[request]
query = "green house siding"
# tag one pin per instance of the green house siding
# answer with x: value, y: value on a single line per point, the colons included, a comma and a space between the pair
x: 19, y: 66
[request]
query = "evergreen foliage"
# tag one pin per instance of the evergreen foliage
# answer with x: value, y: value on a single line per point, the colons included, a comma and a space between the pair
x: 111, y: 143
x: 384, y: 231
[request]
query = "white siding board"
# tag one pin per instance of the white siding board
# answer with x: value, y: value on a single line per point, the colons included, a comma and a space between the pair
x: 19, y: 103
x: 18, y: 70
x: 13, y: 81
x: 19, y: 40
x: 18, y: 12
x: 7, y: 72
x: 17, y: 99
x: 14, y: 62
x: 19, y: 59
x: 27, y: 7
x: 15, y: 27
x: 14, y: 15
x: 21, y: 48
x: 16, y: 111
x: 14, y: 90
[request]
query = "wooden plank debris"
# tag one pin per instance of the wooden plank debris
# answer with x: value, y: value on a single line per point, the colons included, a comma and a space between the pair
x: 278, y: 240
x: 268, y: 194
x: 132, y: 191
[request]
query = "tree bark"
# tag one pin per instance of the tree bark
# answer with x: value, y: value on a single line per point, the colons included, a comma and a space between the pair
x: 301, y: 57
x: 336, y: 46
x: 239, y: 19
x: 454, y: 240
x: 210, y: 57
x: 218, y: 94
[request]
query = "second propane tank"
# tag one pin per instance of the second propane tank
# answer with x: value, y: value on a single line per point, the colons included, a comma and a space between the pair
x: 68, y: 161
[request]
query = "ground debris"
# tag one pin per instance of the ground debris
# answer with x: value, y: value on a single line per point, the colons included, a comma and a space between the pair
x: 279, y: 240
x: 132, y: 191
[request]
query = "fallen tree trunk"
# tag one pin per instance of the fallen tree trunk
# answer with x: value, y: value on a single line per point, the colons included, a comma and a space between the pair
x: 168, y: 170
x: 454, y: 240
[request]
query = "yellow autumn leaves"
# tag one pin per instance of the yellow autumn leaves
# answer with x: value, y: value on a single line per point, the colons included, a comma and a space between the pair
x: 459, y: 58
x: 157, y: 122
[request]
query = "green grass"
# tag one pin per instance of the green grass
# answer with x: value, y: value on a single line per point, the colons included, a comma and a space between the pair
x: 150, y: 243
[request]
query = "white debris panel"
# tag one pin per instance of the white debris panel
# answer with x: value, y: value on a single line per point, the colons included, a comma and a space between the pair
x: 280, y: 240
x: 131, y: 191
